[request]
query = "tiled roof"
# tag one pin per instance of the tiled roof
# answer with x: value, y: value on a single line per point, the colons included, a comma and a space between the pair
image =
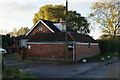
x: 42, y: 37
x: 60, y: 36
x: 83, y: 38
x: 21, y: 37
x: 50, y: 24
x: 47, y: 23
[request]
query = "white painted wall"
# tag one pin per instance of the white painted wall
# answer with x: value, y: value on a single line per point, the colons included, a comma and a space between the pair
x: 23, y: 42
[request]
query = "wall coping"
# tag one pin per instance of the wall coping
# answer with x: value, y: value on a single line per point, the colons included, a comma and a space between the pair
x: 79, y: 43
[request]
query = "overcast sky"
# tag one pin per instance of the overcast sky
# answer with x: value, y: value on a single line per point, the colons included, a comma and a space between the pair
x: 20, y: 13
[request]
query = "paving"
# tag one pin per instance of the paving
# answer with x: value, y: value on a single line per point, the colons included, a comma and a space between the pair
x: 73, y: 70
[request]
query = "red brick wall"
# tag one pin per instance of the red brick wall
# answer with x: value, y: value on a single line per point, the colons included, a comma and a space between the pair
x: 84, y: 51
x: 58, y: 51
x: 48, y: 51
x: 44, y: 29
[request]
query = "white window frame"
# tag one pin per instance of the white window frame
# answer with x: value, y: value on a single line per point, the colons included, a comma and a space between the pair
x: 39, y: 28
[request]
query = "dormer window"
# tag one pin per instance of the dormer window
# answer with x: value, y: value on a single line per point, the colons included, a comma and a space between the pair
x: 40, y: 28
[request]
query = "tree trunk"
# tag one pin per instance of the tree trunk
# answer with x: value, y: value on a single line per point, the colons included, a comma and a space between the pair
x: 114, y: 34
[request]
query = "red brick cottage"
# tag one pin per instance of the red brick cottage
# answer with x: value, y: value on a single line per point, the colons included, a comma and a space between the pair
x: 46, y: 40
x: 52, y: 45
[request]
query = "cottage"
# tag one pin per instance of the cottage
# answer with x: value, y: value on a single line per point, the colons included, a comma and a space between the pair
x: 42, y: 26
x: 46, y: 40
x: 52, y: 45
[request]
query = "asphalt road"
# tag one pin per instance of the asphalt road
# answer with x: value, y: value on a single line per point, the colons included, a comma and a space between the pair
x: 75, y: 70
x: 104, y: 71
x: 87, y: 70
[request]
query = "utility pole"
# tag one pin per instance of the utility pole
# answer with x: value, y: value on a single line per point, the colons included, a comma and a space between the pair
x: 66, y: 39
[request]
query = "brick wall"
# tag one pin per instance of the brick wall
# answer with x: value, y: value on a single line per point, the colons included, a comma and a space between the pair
x: 58, y: 51
x: 48, y: 51
x: 86, y: 51
x: 44, y: 29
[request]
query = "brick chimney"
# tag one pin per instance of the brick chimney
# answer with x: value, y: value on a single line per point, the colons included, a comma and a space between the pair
x: 63, y: 24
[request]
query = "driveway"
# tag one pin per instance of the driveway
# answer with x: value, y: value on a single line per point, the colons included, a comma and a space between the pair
x: 73, y: 70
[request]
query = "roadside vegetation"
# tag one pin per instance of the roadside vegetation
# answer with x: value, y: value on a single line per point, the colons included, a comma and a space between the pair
x: 16, y: 73
x: 110, y: 46
x: 100, y: 57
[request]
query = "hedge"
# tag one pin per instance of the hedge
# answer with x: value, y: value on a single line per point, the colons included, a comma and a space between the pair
x: 109, y: 46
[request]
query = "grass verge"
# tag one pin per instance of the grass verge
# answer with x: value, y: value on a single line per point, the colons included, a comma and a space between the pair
x: 16, y: 73
x: 98, y: 58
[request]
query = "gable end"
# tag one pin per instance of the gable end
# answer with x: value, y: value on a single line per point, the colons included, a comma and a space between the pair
x: 36, y: 25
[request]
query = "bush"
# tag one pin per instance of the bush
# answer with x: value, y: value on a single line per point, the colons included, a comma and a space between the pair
x: 7, y: 41
x: 111, y: 45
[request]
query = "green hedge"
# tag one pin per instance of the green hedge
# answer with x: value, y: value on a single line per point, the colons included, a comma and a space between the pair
x: 109, y: 46
x: 7, y: 41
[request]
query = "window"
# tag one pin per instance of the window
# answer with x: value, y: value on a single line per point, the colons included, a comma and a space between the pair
x: 40, y: 28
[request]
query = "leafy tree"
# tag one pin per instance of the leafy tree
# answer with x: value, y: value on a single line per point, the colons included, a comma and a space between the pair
x: 78, y: 23
x: 105, y: 36
x: 57, y: 12
x: 7, y: 41
x: 13, y: 33
x: 106, y: 14
x: 22, y: 31
x: 50, y: 12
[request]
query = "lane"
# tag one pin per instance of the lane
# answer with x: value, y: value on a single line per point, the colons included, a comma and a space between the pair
x: 61, y: 70
x: 105, y: 71
x: 75, y: 70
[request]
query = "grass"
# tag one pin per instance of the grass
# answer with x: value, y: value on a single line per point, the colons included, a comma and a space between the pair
x: 31, y: 60
x: 97, y: 58
x: 16, y: 73
x: 47, y: 61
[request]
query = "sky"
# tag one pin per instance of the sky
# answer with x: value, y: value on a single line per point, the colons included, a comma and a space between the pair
x: 20, y: 13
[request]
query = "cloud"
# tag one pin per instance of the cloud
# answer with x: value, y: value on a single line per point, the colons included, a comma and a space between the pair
x: 15, y: 13
x: 17, y: 7
x: 19, y: 13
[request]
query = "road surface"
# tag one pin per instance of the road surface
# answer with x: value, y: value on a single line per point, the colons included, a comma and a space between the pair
x: 74, y: 70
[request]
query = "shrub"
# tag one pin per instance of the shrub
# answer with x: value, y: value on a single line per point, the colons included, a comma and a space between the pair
x: 109, y: 45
